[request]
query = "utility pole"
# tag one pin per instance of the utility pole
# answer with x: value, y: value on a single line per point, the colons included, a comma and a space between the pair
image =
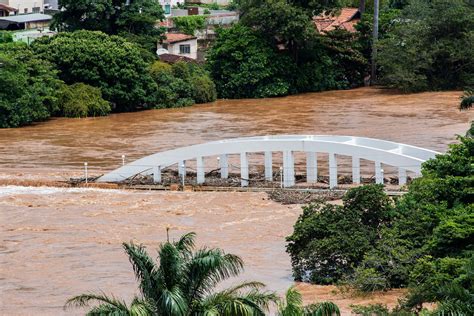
x: 373, y: 77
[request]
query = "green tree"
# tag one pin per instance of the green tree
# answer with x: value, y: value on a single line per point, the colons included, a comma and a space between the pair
x: 329, y: 240
x: 467, y: 100
x: 431, y: 47
x: 133, y: 19
x: 243, y: 65
x: 183, y: 283
x: 107, y: 62
x: 29, y: 84
x: 81, y: 100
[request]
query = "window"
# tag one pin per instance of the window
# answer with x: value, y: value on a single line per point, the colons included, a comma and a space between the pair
x: 36, y: 9
x: 26, y: 10
x: 167, y: 9
x: 185, y: 49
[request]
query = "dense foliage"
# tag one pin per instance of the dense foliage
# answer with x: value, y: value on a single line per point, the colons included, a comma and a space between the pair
x: 29, y: 86
x: 133, y: 19
x: 182, y: 84
x: 189, y: 24
x: 430, y: 47
x: 81, y: 100
x: 108, y: 62
x: 183, y: 282
x: 275, y: 50
x: 423, y: 240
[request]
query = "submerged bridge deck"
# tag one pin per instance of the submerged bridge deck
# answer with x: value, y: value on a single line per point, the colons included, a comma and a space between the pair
x: 402, y: 156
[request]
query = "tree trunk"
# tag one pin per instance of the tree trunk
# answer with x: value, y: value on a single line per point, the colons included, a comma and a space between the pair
x: 373, y: 77
x: 361, y: 6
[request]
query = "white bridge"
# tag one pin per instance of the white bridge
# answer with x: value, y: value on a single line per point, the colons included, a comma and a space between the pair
x: 401, y: 156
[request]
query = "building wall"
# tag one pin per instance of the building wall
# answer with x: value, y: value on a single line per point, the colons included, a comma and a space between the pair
x: 167, y: 5
x: 175, y: 48
x: 23, y: 5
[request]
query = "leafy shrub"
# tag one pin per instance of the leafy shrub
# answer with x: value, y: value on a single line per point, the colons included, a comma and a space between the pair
x: 6, y: 37
x: 368, y: 280
x: 329, y: 240
x: 370, y: 310
x: 182, y: 84
x: 81, y: 100
x: 107, y: 62
x: 243, y: 65
x: 204, y: 89
x: 28, y: 84
x: 189, y: 24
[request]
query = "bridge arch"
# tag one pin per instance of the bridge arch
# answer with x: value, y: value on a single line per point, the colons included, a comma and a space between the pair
x: 402, y: 156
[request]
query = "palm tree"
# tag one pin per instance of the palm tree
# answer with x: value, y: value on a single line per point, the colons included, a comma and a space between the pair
x: 182, y: 283
x: 292, y: 305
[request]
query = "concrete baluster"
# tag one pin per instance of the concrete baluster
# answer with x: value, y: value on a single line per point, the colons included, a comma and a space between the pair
x: 244, y: 169
x: 157, y: 174
x: 268, y: 166
x: 200, y: 178
x: 332, y: 171
x: 355, y: 170
x: 224, y: 165
x: 311, y: 167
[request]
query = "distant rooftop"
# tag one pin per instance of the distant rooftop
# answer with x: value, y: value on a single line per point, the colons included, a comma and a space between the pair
x: 346, y: 19
x: 25, y: 18
x: 178, y: 37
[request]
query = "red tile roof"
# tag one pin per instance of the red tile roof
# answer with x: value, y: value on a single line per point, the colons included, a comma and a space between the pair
x: 178, y: 37
x: 346, y: 19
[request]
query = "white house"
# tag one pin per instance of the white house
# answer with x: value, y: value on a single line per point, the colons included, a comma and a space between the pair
x: 25, y: 6
x: 179, y: 44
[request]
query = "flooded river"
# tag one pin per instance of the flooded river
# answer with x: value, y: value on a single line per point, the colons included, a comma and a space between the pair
x: 61, y: 242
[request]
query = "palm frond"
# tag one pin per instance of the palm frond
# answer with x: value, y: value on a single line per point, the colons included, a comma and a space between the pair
x: 292, y: 305
x: 144, y: 268
x: 170, y: 265
x: 141, y: 307
x: 208, y: 267
x: 105, y: 301
x: 172, y: 302
x: 322, y: 309
x: 186, y: 244
x: 234, y: 301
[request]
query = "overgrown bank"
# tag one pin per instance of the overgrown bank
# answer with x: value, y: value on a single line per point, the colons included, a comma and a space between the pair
x: 423, y: 240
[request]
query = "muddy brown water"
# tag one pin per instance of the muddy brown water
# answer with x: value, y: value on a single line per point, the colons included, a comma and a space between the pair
x: 61, y: 242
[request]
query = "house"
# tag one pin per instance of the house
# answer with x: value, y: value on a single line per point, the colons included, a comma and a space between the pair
x: 6, y: 10
x: 25, y: 21
x: 167, y: 5
x: 346, y: 19
x: 25, y: 6
x: 178, y: 44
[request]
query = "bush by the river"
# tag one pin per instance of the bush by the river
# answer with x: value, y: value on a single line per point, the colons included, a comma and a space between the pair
x: 423, y: 240
x: 110, y: 63
x: 28, y: 86
x: 81, y: 100
x: 182, y: 84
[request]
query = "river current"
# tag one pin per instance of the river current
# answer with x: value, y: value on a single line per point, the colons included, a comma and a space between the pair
x: 61, y: 242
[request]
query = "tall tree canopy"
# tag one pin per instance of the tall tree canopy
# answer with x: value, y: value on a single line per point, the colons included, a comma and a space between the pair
x: 108, y: 62
x: 431, y: 47
x: 133, y: 19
